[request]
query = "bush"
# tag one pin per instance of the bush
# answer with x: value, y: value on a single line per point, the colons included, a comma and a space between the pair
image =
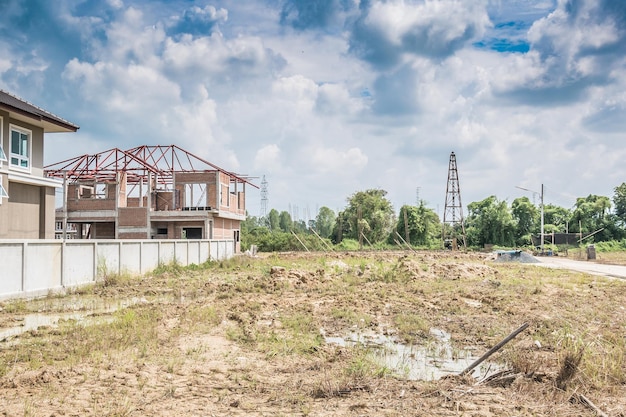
x: 611, y: 246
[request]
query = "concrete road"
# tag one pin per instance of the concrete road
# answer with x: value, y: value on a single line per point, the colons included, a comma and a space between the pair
x: 613, y: 271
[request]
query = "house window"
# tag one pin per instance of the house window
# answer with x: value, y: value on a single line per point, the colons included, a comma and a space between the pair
x: 20, y: 148
x: 3, y: 192
x: 3, y: 156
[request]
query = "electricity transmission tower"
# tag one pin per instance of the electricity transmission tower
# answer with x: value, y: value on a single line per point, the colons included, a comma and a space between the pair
x: 453, y: 211
x: 263, y: 198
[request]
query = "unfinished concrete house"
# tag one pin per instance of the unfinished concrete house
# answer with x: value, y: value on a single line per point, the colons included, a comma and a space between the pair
x: 149, y: 192
x: 27, y: 197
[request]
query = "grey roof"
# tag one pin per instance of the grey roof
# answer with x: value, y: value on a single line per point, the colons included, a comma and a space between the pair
x: 51, y: 122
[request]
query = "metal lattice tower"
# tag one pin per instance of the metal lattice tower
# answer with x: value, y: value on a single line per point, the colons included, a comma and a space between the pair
x: 453, y: 211
x: 263, y: 198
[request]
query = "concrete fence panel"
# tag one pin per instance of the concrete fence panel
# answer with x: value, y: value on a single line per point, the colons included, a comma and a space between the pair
x: 130, y: 257
x: 35, y: 267
x: 107, y: 257
x: 167, y: 252
x: 80, y: 263
x: 149, y: 256
x: 43, y: 270
x: 11, y: 272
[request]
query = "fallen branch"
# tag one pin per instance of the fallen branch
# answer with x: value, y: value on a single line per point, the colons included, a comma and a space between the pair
x: 494, y: 349
x: 501, y: 379
x: 580, y: 398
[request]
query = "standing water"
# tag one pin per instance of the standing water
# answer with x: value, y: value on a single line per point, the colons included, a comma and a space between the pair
x: 415, y: 362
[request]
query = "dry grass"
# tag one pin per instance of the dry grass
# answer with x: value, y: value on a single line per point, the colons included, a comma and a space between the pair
x: 236, y: 338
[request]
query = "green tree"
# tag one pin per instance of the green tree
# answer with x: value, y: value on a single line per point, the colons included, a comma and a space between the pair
x: 423, y: 225
x: 490, y: 222
x: 342, y: 228
x: 592, y: 215
x: 526, y: 216
x: 325, y: 222
x: 370, y: 212
x: 284, y: 221
x: 252, y: 231
x: 619, y: 201
x: 273, y: 219
x: 300, y: 226
x: 556, y: 219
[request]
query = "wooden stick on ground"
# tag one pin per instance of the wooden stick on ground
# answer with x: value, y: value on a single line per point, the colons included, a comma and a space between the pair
x: 494, y: 349
x: 587, y: 403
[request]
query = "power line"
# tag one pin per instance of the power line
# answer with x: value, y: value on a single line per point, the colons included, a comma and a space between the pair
x: 453, y: 210
x: 264, y: 197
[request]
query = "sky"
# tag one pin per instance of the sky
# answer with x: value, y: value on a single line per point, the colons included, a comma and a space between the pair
x: 325, y: 98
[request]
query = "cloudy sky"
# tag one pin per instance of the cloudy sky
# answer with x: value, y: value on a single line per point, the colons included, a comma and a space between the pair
x: 328, y: 97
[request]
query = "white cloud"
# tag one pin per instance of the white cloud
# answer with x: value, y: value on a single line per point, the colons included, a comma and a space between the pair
x: 303, y: 108
x: 116, y: 4
x: 296, y: 88
x: 441, y: 21
x: 5, y: 61
x: 335, y: 99
x: 333, y: 161
x: 267, y: 158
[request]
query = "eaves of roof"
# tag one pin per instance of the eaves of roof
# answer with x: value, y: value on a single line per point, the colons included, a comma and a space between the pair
x: 28, y: 112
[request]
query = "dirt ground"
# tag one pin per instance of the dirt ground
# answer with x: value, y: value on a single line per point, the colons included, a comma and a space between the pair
x: 296, y: 334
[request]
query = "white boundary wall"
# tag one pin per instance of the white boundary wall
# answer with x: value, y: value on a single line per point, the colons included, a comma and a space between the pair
x: 30, y: 268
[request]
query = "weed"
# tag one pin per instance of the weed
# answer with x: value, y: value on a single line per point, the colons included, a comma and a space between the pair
x: 411, y: 326
x: 362, y: 366
x: 200, y: 318
x: 299, y: 336
x: 170, y: 391
x: 15, y: 306
x: 351, y: 317
x: 174, y: 268
x: 569, y: 367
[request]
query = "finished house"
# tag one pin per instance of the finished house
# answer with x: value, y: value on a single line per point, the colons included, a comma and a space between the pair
x: 27, y: 197
x: 149, y: 192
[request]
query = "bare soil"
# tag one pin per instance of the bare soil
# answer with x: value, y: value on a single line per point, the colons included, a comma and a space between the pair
x: 247, y: 337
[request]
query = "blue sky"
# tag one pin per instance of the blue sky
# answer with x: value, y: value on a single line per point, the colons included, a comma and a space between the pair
x: 326, y: 98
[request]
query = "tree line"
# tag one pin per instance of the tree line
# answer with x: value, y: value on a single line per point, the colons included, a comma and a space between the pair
x: 369, y: 219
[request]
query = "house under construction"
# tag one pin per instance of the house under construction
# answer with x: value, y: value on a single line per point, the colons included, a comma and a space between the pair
x: 148, y: 192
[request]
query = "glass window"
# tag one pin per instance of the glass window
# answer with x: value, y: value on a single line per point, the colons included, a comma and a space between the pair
x: 3, y: 192
x: 3, y: 156
x: 20, y: 148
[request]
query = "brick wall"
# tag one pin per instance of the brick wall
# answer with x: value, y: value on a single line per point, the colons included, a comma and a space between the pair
x: 179, y: 226
x: 212, y: 196
x: 103, y: 230
x: 74, y: 203
x: 165, y: 201
x: 241, y: 196
x: 195, y: 177
x: 131, y: 235
x: 134, y: 201
x: 133, y: 216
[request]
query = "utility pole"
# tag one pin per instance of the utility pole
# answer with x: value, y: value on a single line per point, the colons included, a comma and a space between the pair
x: 263, y: 197
x: 453, y: 211
x: 542, y: 219
x: 541, y: 208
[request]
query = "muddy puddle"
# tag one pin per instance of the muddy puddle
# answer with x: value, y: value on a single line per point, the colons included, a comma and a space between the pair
x: 49, y: 312
x: 427, y: 362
